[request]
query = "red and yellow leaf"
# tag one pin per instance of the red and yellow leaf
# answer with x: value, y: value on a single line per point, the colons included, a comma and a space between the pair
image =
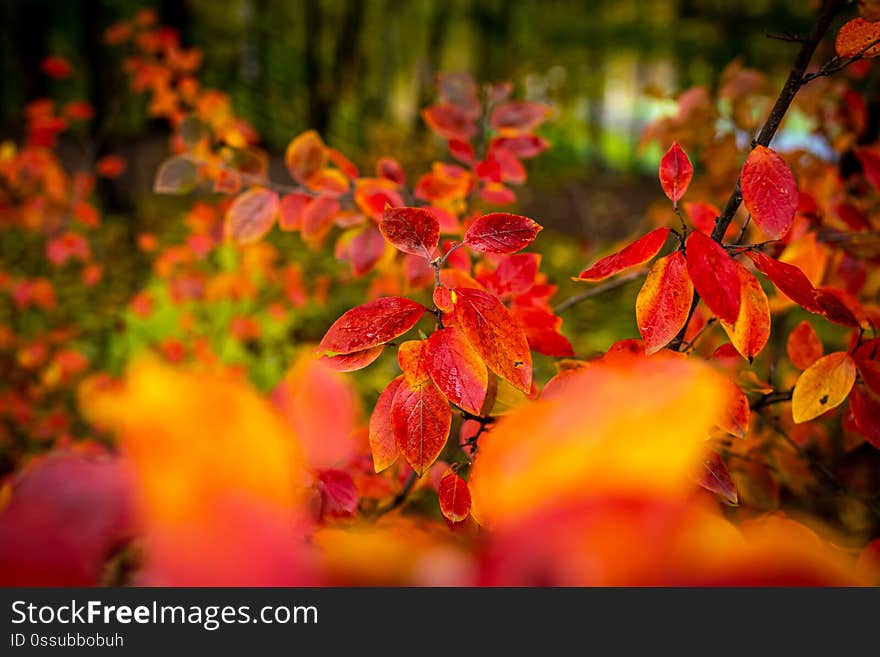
x: 412, y: 357
x: 664, y: 301
x: 495, y: 336
x: 420, y: 420
x: 715, y: 276
x: 381, y: 435
x: 251, y: 215
x: 804, y: 347
x: 305, y: 156
x: 823, y: 386
x: 411, y: 230
x: 370, y: 325
x: 500, y: 232
x: 676, y: 172
x: 769, y: 191
x: 457, y: 369
x: 751, y: 330
x: 637, y: 253
x: 454, y: 496
x: 354, y: 361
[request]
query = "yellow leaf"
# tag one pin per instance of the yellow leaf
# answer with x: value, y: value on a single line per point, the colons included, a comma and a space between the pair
x: 823, y: 386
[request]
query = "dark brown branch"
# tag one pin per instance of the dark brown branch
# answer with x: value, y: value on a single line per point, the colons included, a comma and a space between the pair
x: 770, y: 398
x: 400, y: 498
x: 792, y: 85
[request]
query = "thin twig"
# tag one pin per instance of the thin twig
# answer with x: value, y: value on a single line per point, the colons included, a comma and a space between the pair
x: 573, y: 300
x: 770, y: 398
x: 400, y: 498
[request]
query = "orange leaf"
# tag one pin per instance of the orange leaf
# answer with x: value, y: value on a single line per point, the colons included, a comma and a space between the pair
x: 420, y: 420
x: 519, y: 116
x: 412, y: 357
x: 637, y: 253
x: 251, y: 215
x: 500, y: 232
x: 736, y: 414
x: 449, y: 121
x: 664, y: 301
x: 769, y: 191
x: 317, y: 218
x: 676, y: 172
x: 855, y: 36
x: 382, y: 443
x: 411, y: 230
x: 454, y: 496
x: 804, y: 347
x: 291, y: 210
x: 823, y: 386
x: 457, y: 369
x: 370, y: 325
x: 305, y: 155
x: 715, y: 276
x: 495, y: 335
x: 751, y: 330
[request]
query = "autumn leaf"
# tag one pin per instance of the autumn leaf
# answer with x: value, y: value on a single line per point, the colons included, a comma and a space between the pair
x: 769, y: 191
x: 500, y: 232
x: 251, y: 215
x: 736, y: 413
x: 664, y: 301
x: 676, y: 172
x: 751, y: 330
x: 495, y: 335
x: 865, y: 409
x: 855, y: 36
x: 381, y: 435
x: 716, y: 478
x: 177, y: 175
x: 291, y: 209
x: 354, y: 361
x: 454, y: 496
x: 788, y: 279
x: 339, y: 495
x: 457, y: 369
x: 420, y: 420
x: 412, y: 357
x: 411, y: 230
x: 371, y: 324
x: 517, y: 116
x: 305, y: 156
x: 317, y: 218
x: 803, y: 346
x: 449, y: 121
x: 823, y: 386
x: 637, y: 253
x: 715, y: 276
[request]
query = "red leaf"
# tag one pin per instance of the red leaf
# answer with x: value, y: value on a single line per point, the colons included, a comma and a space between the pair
x: 870, y: 161
x: 251, y: 215
x: 769, y: 191
x: 420, y: 420
x: 870, y: 371
x: 664, y: 301
x: 390, y: 169
x: 449, y: 121
x: 366, y: 249
x: 855, y: 36
x: 866, y: 413
x: 291, y: 210
x: 454, y: 496
x: 790, y: 280
x: 305, y: 156
x: 804, y: 347
x: 714, y: 275
x: 736, y: 414
x: 457, y: 369
x: 411, y: 230
x: 702, y: 216
x: 317, y: 217
x: 637, y: 253
x: 833, y: 306
x: 354, y: 361
x: 339, y: 495
x: 500, y: 232
x: 751, y: 330
x: 676, y: 172
x: 716, y: 478
x: 519, y: 116
x: 370, y: 325
x: 495, y: 335
x: 382, y: 443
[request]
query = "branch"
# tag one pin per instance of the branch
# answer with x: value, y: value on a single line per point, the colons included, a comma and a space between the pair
x: 564, y: 305
x: 796, y: 79
x: 770, y: 398
x: 836, y: 64
x: 400, y: 498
